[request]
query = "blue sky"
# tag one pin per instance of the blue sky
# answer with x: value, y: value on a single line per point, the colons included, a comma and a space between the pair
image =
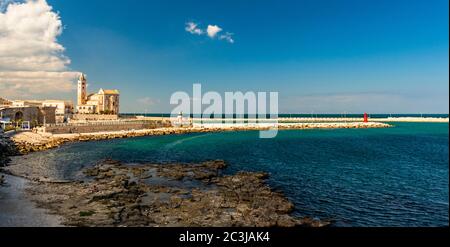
x: 322, y: 56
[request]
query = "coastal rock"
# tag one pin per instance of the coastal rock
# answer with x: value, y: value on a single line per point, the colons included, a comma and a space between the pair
x: 116, y: 194
x: 7, y: 148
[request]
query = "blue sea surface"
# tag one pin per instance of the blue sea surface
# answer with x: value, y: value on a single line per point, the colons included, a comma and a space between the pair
x: 284, y: 115
x: 356, y: 177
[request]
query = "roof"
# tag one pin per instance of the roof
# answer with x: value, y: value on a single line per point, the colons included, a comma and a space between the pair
x: 32, y: 101
x: 19, y: 107
x: 3, y: 100
x: 57, y: 101
x: 109, y: 91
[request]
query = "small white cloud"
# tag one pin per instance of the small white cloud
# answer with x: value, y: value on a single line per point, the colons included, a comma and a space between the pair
x: 192, y: 28
x: 147, y: 101
x: 213, y: 30
x: 227, y: 37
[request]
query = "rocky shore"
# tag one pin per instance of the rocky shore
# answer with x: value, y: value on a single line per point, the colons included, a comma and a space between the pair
x: 27, y: 142
x: 7, y: 148
x: 115, y: 194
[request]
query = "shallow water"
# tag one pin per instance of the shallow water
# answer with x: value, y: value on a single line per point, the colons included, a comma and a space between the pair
x: 18, y: 211
x: 357, y: 177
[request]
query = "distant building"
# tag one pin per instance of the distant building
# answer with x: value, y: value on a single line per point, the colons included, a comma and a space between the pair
x: 23, y: 103
x: 103, y: 102
x: 5, y: 102
x: 64, y: 109
x: 36, y: 115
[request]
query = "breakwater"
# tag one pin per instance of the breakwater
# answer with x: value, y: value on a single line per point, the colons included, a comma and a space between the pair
x: 102, y: 126
x: 26, y: 142
x: 357, y: 119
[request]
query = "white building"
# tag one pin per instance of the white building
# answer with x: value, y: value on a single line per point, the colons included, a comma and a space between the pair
x: 5, y: 102
x: 23, y: 103
x: 103, y: 102
x: 62, y: 107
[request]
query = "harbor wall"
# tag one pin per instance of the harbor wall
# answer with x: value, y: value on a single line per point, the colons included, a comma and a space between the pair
x: 104, y: 126
x: 93, y: 117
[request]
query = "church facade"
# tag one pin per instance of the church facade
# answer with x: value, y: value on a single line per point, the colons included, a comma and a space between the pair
x: 103, y: 102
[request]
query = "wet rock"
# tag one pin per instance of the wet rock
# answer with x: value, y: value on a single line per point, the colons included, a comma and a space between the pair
x: 7, y: 148
x: 119, y: 196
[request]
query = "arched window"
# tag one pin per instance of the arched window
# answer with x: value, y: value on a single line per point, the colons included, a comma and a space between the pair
x: 18, y: 116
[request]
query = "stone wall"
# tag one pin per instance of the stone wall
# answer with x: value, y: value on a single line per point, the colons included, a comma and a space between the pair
x: 104, y: 126
x: 93, y: 117
x: 35, y: 115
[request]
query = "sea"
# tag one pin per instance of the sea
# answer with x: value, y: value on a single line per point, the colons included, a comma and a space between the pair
x: 386, y: 177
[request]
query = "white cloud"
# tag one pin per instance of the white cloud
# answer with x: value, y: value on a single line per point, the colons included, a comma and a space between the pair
x: 227, y: 37
x: 31, y: 59
x: 17, y: 84
x: 147, y: 101
x: 192, y: 28
x: 213, y: 30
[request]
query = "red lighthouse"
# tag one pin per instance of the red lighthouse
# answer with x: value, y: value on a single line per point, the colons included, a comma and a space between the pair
x: 366, y: 117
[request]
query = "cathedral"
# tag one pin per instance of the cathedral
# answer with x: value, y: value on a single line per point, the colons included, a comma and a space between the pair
x: 103, y: 102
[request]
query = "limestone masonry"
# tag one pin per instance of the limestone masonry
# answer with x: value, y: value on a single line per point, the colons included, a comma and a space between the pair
x: 103, y: 102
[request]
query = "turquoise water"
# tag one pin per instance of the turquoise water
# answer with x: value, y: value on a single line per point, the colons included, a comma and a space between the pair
x: 356, y: 177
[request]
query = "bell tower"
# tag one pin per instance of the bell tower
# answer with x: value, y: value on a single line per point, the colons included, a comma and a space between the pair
x: 81, y: 100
